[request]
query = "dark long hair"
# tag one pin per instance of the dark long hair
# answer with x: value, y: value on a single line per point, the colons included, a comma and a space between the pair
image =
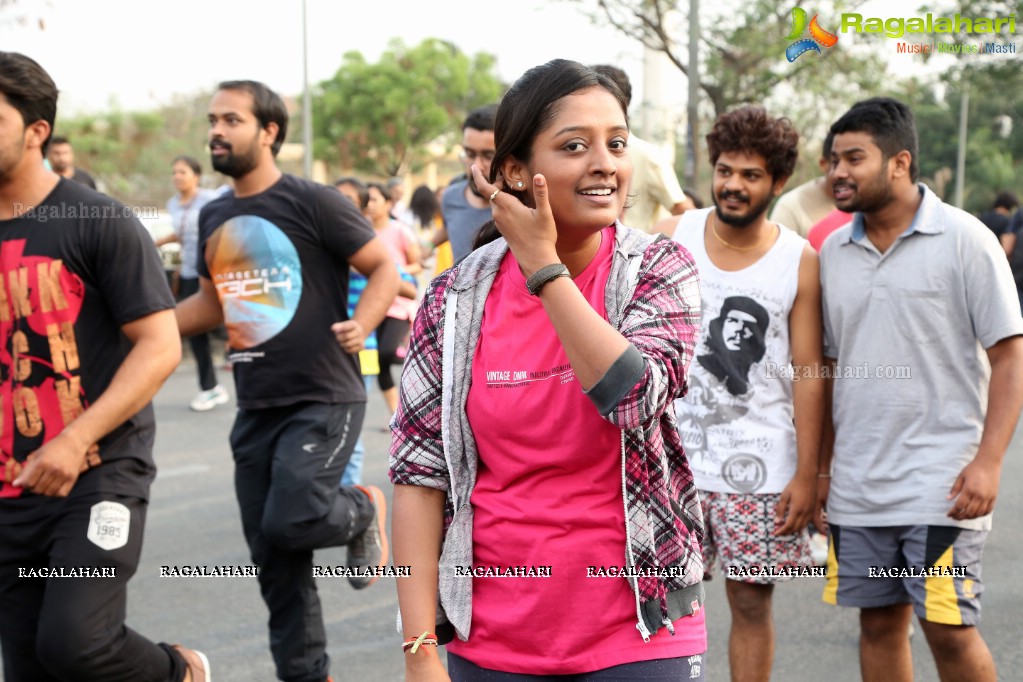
x: 528, y: 108
x: 424, y: 205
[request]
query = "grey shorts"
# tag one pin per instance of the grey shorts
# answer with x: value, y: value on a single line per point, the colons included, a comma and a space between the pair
x: 935, y: 568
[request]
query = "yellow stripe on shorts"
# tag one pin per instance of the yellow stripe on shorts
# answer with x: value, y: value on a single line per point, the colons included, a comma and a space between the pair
x: 830, y: 595
x: 942, y: 602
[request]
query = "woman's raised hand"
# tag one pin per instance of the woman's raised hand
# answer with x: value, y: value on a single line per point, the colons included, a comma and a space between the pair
x: 530, y: 232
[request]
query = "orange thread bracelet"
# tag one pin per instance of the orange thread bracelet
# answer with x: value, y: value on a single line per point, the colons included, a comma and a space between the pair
x: 413, y: 643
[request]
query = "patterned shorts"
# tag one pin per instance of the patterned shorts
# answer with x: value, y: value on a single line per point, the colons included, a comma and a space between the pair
x: 739, y: 529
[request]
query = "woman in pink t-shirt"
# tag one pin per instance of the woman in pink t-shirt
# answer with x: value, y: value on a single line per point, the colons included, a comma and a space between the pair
x: 404, y: 247
x: 542, y: 495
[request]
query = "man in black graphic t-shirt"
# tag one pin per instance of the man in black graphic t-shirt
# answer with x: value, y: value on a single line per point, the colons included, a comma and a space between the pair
x: 78, y: 276
x: 273, y: 265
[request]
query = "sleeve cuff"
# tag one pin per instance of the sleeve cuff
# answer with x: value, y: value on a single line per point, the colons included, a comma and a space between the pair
x: 618, y: 380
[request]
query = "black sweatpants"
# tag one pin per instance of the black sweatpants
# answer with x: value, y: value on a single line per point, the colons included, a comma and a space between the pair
x: 200, y: 343
x: 72, y: 629
x: 288, y: 461
x: 390, y: 335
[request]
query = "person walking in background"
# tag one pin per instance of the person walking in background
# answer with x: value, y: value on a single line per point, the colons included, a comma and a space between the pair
x: 393, y: 331
x: 809, y: 204
x: 399, y: 210
x: 999, y: 219
x: 425, y: 208
x: 369, y: 357
x: 750, y: 430
x: 654, y: 191
x: 920, y: 295
x: 89, y: 338
x: 428, y: 224
x: 184, y: 208
x: 61, y: 156
x: 275, y: 258
x: 536, y: 425
x: 463, y: 206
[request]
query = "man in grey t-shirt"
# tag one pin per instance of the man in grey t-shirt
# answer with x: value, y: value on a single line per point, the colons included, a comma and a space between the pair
x: 464, y: 209
x: 915, y: 294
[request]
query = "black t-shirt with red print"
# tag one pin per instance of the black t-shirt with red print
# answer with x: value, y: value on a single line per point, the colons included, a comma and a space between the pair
x: 73, y: 270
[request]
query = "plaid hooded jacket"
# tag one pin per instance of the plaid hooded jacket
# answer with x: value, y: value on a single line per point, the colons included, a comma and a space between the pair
x: 652, y: 297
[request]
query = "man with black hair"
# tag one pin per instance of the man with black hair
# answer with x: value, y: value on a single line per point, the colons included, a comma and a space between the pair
x: 750, y: 431
x: 999, y: 219
x: 911, y: 459
x: 462, y: 206
x: 88, y: 337
x: 655, y: 191
x: 273, y: 263
x: 61, y: 156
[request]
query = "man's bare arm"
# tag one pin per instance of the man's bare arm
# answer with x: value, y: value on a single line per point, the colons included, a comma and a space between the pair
x: 201, y: 311
x: 53, y: 469
x: 976, y: 487
x: 797, y: 504
x: 373, y: 261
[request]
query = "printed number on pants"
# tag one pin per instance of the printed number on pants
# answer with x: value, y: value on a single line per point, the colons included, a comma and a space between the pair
x: 108, y: 525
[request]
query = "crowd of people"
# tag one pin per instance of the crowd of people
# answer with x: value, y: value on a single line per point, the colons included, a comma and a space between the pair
x: 590, y: 421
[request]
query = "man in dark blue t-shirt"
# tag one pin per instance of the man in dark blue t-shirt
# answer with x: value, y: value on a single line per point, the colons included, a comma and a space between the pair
x: 273, y: 264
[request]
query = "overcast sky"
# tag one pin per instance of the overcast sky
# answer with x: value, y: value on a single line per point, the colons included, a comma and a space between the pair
x: 140, y: 53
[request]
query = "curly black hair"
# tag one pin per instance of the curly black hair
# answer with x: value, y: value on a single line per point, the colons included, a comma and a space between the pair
x: 750, y: 129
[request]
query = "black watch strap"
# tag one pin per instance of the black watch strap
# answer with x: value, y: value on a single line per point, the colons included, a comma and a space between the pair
x: 541, y: 277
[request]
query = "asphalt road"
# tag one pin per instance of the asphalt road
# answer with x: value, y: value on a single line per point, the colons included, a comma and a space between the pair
x: 193, y: 520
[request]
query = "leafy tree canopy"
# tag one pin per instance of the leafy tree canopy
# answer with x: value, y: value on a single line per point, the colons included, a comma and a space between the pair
x: 379, y: 118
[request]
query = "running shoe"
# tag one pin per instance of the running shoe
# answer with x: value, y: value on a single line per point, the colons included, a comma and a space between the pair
x: 198, y: 664
x: 207, y: 400
x: 368, y: 550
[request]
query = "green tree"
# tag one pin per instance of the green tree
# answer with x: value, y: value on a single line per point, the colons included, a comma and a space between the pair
x: 378, y: 118
x: 994, y: 149
x: 131, y: 152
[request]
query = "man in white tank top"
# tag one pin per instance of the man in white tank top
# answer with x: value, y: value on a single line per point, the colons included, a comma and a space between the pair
x: 751, y: 421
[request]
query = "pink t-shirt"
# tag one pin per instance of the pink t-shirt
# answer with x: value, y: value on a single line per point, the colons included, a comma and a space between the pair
x: 549, y: 493
x: 396, y: 237
x: 825, y: 226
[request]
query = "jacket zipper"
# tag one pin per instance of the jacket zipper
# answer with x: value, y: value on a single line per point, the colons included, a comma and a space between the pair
x: 641, y: 624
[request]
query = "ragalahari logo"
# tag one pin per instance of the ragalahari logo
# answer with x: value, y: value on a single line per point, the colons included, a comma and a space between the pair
x: 818, y: 36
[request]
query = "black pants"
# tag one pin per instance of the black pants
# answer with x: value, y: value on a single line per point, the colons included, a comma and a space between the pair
x: 288, y: 461
x: 390, y: 335
x: 72, y: 629
x: 200, y: 343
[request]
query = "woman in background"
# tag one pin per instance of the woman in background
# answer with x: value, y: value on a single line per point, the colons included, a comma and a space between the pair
x: 184, y: 210
x: 393, y: 331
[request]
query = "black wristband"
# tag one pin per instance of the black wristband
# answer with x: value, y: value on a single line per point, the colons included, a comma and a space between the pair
x: 541, y: 277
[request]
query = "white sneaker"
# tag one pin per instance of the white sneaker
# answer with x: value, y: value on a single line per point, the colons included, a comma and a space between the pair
x: 819, y: 548
x: 207, y: 400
